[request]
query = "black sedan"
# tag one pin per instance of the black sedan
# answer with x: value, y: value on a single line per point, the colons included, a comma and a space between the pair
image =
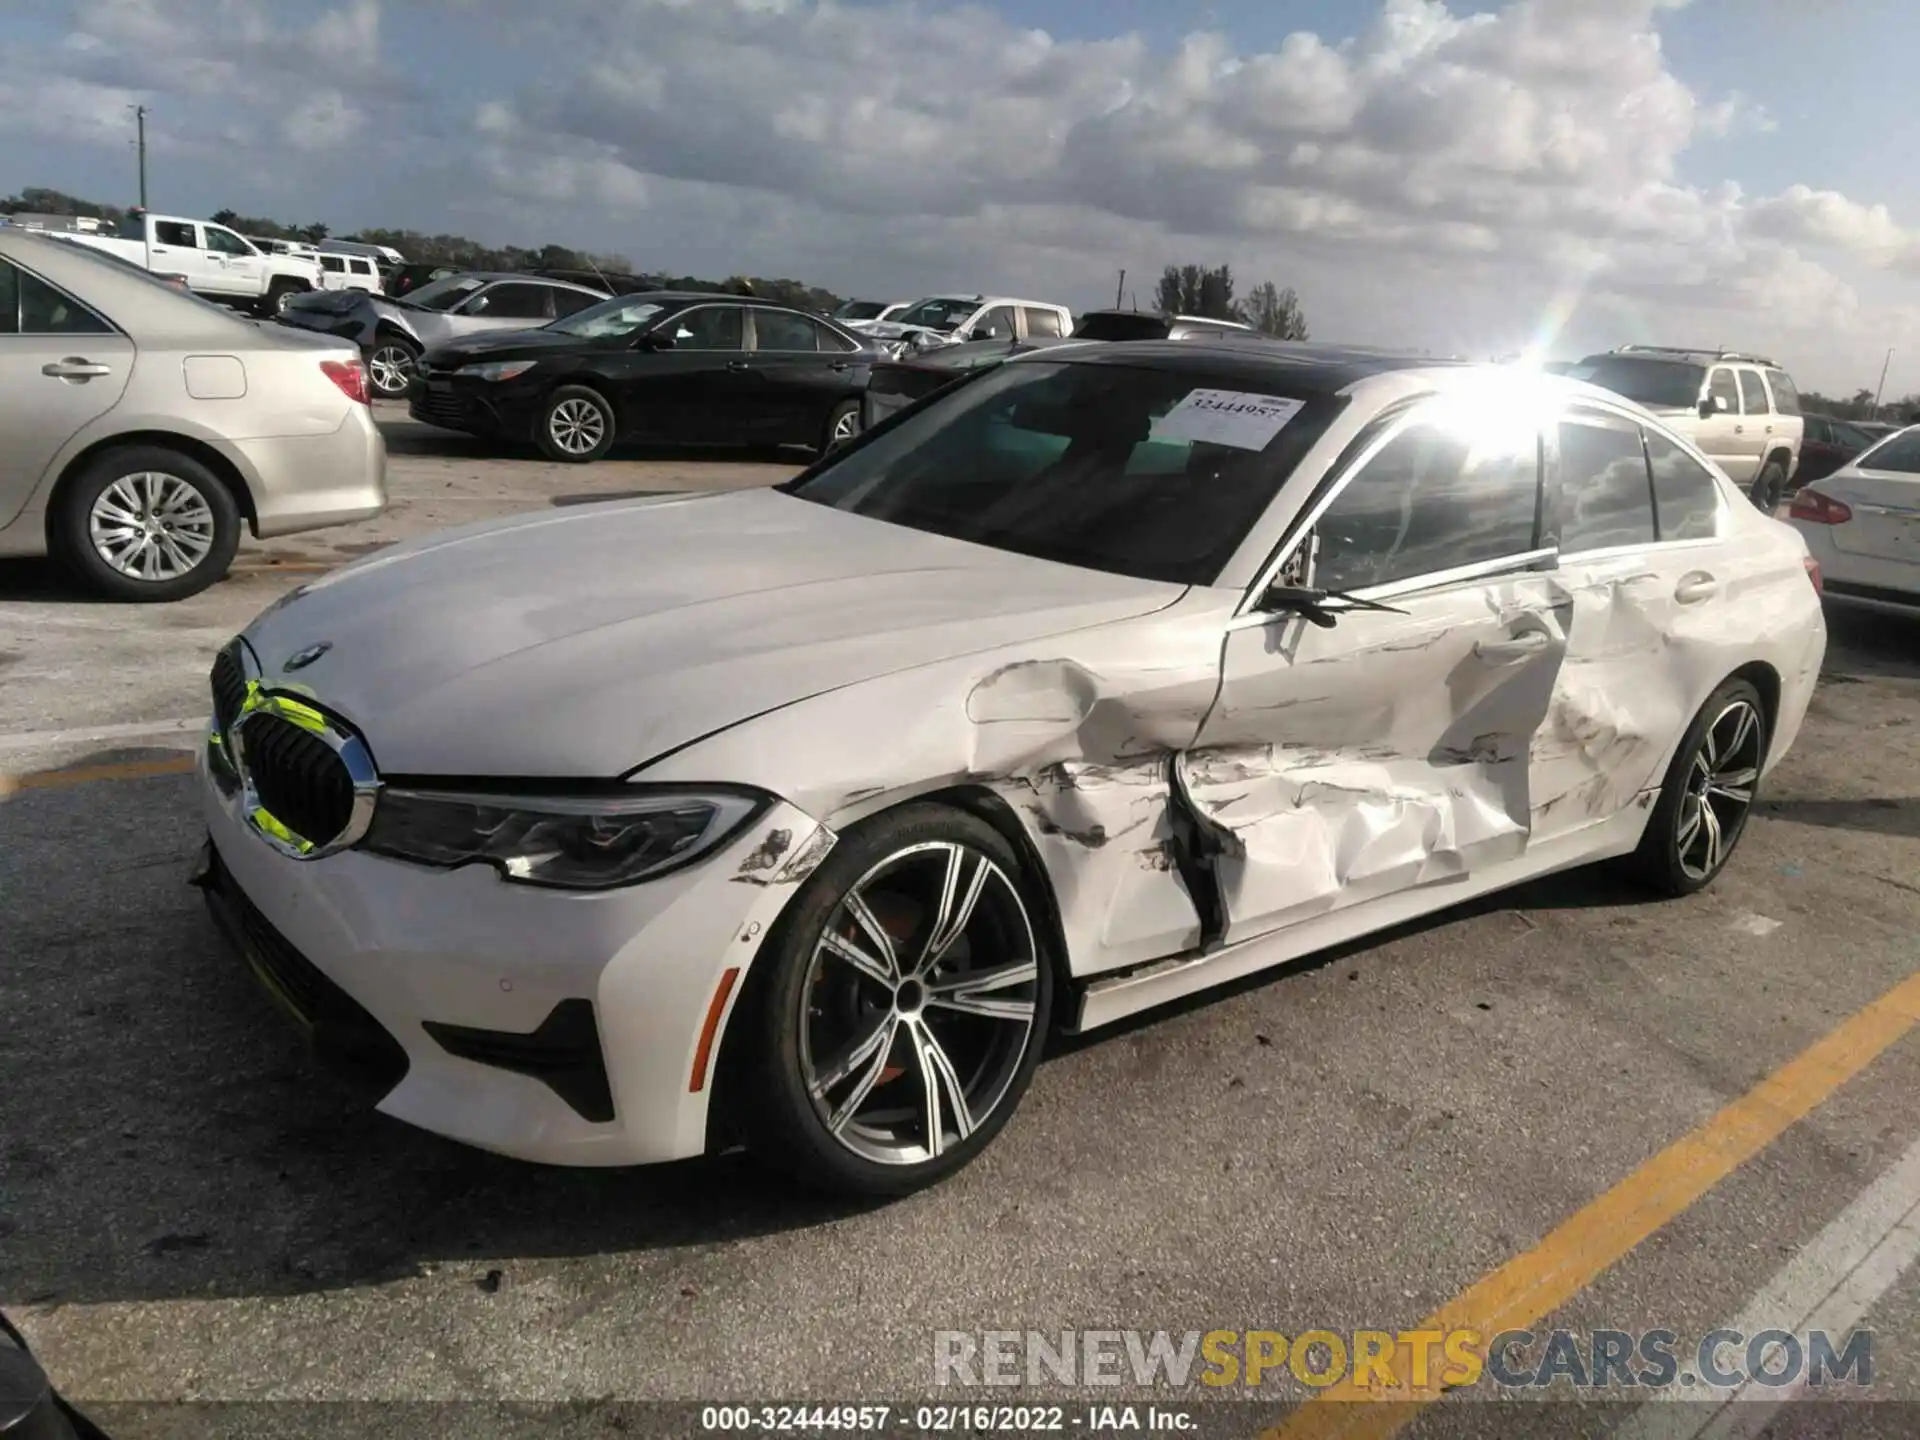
x: 669, y: 367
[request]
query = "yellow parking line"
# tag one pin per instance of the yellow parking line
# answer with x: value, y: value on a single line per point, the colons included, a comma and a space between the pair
x: 1538, y: 1282
x: 87, y: 774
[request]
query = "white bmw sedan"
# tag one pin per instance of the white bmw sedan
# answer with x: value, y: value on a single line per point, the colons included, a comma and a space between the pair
x: 801, y: 816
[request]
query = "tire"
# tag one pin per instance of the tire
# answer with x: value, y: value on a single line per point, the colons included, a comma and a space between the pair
x: 113, y: 499
x: 810, y: 1010
x: 842, y: 425
x: 1768, y: 485
x: 390, y: 366
x: 568, y: 430
x: 1673, y: 857
x: 279, y: 293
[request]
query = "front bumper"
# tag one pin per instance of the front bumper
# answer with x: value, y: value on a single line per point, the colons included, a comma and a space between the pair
x: 461, y: 999
x: 477, y: 407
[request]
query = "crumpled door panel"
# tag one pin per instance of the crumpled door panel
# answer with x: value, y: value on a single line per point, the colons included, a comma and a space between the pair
x: 1344, y: 764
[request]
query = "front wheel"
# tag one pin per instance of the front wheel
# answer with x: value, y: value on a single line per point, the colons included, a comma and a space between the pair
x: 390, y: 367
x: 147, y: 523
x: 903, y: 1009
x: 575, y: 425
x: 1708, y: 794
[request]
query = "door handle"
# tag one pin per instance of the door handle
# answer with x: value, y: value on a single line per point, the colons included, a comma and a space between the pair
x: 1695, y: 587
x: 1511, y: 650
x: 1739, y: 429
x: 840, y: 365
x: 738, y: 365
x: 75, y: 367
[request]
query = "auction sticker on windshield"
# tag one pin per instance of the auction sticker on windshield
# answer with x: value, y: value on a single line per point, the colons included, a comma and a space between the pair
x: 1227, y: 417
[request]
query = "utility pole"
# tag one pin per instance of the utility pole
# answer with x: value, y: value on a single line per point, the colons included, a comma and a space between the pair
x: 1882, y: 385
x: 140, y: 124
x: 1120, y: 290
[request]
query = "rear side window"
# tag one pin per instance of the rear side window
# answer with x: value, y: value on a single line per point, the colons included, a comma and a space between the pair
x: 572, y: 302
x: 1720, y: 387
x: 1753, y: 395
x: 1900, y: 455
x: 1685, y: 498
x: 1435, y: 498
x: 996, y: 324
x: 832, y: 340
x: 514, y: 302
x: 30, y: 306
x: 1786, y: 399
x: 777, y: 330
x: 332, y: 264
x: 172, y: 232
x: 1605, y: 498
x: 9, y: 299
x: 1816, y: 431
x: 1044, y: 323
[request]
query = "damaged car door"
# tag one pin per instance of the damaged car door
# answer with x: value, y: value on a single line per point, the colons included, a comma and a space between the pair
x: 1377, y: 709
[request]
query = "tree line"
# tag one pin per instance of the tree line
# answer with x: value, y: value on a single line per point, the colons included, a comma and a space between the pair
x: 1195, y: 290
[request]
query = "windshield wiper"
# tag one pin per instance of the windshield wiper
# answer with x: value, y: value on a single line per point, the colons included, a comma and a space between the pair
x: 1320, y: 607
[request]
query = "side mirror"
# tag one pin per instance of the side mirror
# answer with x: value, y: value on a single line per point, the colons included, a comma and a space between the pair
x: 1711, y: 405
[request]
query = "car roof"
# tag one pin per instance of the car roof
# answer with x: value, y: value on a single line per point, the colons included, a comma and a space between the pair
x: 490, y: 276
x: 1311, y: 368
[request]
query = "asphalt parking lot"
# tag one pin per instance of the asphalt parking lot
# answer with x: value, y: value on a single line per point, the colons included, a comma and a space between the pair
x: 188, y: 1210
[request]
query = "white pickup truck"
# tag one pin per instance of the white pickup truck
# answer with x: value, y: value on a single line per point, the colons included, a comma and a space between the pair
x: 215, y: 262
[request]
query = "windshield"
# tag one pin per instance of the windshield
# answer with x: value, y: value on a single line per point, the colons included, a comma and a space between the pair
x: 1149, y: 473
x: 940, y: 315
x: 860, y: 310
x: 610, y: 319
x: 445, y: 294
x: 1669, y: 384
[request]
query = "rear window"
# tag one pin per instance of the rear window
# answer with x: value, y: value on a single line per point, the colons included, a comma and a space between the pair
x: 1899, y: 454
x: 1120, y: 327
x: 1668, y: 384
x: 1133, y: 471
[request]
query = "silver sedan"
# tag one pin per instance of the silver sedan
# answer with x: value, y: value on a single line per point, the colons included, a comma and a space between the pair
x: 143, y: 427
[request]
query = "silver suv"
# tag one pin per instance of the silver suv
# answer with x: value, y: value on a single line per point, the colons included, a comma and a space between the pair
x: 1741, y: 411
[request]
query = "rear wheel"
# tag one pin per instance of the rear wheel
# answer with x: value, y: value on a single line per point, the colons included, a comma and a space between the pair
x: 1768, y: 484
x: 903, y: 1009
x: 147, y: 523
x: 842, y: 425
x: 1708, y: 794
x: 390, y: 366
x: 575, y: 425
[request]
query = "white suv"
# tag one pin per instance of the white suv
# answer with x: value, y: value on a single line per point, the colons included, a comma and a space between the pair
x: 955, y: 319
x: 1741, y: 411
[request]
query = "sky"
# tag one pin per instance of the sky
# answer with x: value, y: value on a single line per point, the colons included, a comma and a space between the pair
x: 1449, y: 177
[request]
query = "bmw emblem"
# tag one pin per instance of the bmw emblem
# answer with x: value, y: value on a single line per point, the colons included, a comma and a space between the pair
x: 300, y: 659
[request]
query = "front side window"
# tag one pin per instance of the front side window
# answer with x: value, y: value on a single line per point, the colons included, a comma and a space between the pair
x: 1786, y: 399
x: 778, y: 330
x: 1721, y: 388
x: 512, y: 302
x: 710, y: 327
x: 1848, y: 435
x: 1753, y: 395
x: 1899, y: 454
x: 1606, y: 499
x: 996, y: 324
x: 1685, y: 499
x: 225, y: 242
x: 1086, y: 464
x: 1437, y: 496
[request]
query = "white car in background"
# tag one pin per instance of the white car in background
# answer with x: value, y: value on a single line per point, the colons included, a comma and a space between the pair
x: 598, y: 836
x: 349, y: 272
x: 956, y: 319
x: 1862, y: 524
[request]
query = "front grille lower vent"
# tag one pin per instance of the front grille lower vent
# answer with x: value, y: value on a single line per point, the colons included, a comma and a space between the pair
x: 300, y: 780
x: 229, y: 684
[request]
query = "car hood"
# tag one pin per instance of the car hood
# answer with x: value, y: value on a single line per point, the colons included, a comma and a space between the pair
x: 585, y: 643
x: 507, y: 345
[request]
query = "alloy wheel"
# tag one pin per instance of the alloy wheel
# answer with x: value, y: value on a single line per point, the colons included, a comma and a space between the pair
x: 846, y: 426
x: 151, y: 526
x: 1720, y: 789
x: 920, y: 1000
x: 391, y: 367
x: 577, y: 427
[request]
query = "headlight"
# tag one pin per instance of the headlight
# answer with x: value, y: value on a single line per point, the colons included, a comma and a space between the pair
x: 587, y: 843
x: 498, y: 369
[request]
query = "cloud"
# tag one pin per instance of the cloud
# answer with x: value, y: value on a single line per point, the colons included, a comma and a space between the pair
x: 1453, y: 180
